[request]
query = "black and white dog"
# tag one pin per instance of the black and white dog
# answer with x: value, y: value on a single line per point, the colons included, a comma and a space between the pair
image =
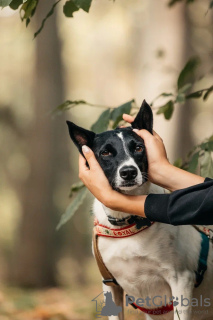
x: 159, y: 263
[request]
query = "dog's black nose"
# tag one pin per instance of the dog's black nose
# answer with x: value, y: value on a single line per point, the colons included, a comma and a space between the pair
x: 128, y: 172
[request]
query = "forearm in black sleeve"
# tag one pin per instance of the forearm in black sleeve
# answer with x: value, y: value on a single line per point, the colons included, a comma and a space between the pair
x: 193, y: 205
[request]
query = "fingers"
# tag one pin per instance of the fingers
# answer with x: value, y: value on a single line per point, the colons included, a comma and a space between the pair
x: 128, y: 118
x: 144, y: 134
x: 157, y: 135
x: 82, y: 163
x: 90, y: 157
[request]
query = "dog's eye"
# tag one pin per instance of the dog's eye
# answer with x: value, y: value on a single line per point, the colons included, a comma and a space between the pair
x: 105, y: 153
x: 139, y: 149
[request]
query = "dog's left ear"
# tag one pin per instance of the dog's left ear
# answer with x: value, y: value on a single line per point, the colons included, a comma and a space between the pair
x: 144, y: 118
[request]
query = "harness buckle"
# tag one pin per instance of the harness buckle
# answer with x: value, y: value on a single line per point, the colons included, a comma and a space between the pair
x: 202, y: 263
x: 199, y: 277
x: 108, y: 281
x: 211, y: 235
x: 201, y: 272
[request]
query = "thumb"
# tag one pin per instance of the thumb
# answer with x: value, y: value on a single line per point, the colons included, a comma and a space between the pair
x: 90, y: 157
x: 128, y: 118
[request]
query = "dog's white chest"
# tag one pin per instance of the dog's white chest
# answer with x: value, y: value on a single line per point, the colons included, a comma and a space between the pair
x: 136, y: 263
x: 158, y: 261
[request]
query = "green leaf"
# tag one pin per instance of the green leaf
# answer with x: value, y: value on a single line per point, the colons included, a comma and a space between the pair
x: 72, y: 208
x: 102, y: 123
x: 206, y: 95
x: 207, y: 146
x: 206, y: 165
x: 194, y: 95
x: 69, y: 8
x: 167, y: 110
x: 180, y: 98
x: 27, y: 10
x: 76, y: 187
x: 210, y: 146
x: 164, y: 94
x: 172, y: 2
x: 68, y: 105
x: 5, y: 3
x: 211, y: 4
x: 44, y: 20
x: 15, y: 4
x: 193, y: 163
x: 186, y: 87
x: 83, y: 4
x: 188, y: 73
x: 116, y: 114
x: 178, y: 163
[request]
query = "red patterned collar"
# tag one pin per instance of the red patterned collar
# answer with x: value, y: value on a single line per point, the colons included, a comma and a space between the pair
x: 157, y: 311
x: 128, y: 231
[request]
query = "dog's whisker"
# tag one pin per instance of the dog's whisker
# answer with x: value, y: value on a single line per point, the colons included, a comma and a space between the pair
x: 145, y: 175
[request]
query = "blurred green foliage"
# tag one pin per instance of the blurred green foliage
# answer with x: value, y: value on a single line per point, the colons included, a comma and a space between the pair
x: 27, y: 8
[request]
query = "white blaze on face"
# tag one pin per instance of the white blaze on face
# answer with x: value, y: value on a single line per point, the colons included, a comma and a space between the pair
x: 127, y: 162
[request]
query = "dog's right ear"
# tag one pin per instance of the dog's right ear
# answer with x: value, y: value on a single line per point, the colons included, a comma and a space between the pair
x: 144, y: 118
x: 80, y: 136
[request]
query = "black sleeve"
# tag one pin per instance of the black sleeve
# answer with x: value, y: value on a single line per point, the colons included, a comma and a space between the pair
x: 193, y: 205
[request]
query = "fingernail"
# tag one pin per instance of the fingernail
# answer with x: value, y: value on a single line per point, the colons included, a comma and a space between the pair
x: 85, y: 149
x: 136, y: 130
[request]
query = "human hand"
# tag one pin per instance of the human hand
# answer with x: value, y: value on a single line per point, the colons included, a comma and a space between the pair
x: 96, y: 181
x: 156, y: 152
x: 94, y: 177
x: 156, y: 155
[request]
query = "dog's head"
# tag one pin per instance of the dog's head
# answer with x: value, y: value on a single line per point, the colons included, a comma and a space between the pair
x: 121, y: 152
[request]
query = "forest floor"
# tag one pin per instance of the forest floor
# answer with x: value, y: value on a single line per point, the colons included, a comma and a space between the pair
x: 54, y: 304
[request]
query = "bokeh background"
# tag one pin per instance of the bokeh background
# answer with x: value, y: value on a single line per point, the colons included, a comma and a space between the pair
x: 119, y: 51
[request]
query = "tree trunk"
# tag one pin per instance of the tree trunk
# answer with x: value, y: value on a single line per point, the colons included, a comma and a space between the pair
x: 35, y: 255
x: 184, y: 140
x: 163, y: 51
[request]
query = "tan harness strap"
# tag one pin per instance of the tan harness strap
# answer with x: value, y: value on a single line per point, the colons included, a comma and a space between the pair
x: 109, y: 280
